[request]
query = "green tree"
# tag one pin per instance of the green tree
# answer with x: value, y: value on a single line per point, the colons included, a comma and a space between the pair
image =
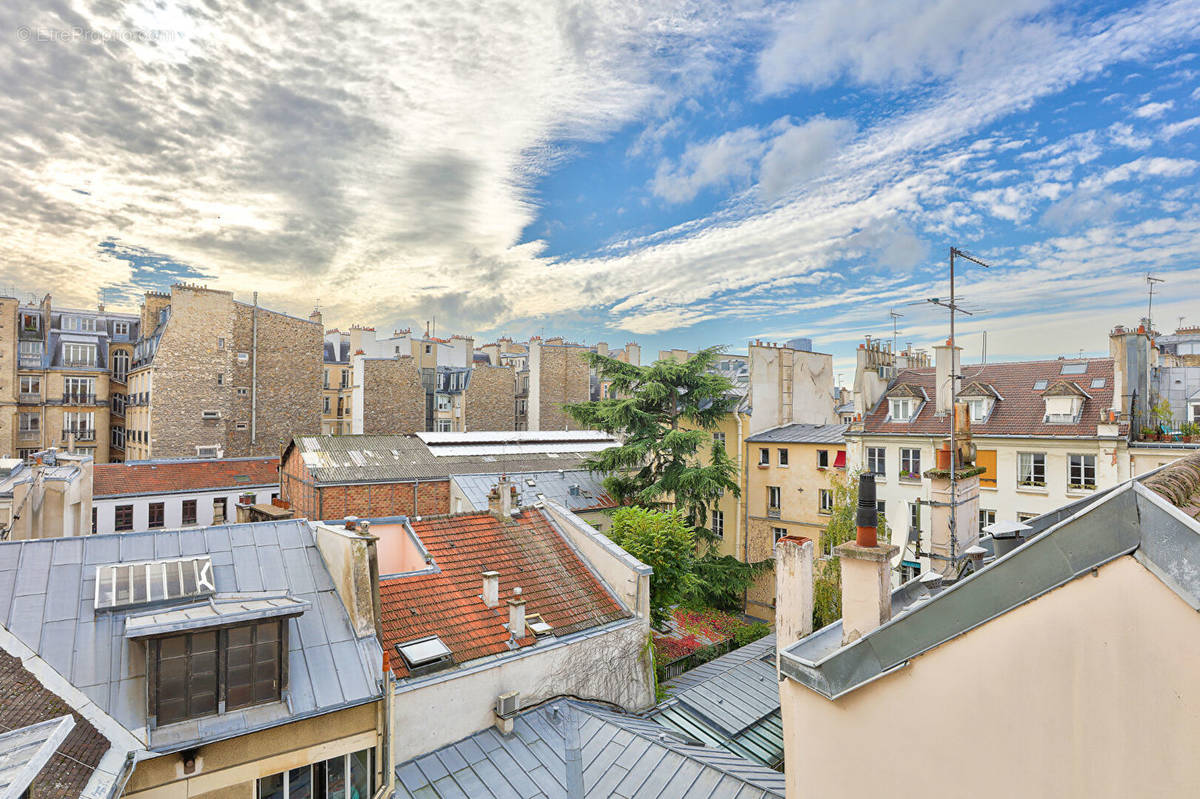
x: 827, y: 585
x: 664, y: 541
x: 664, y: 416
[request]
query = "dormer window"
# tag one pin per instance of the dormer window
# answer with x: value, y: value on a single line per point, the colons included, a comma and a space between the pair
x: 980, y: 408
x: 1064, y: 403
x: 981, y: 399
x: 900, y: 409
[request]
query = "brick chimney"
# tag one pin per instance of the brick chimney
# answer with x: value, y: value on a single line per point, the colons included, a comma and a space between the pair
x: 866, y: 568
x: 502, y: 498
x: 491, y: 589
x: 315, y: 317
x: 516, y: 617
x: 947, y: 359
x: 793, y: 590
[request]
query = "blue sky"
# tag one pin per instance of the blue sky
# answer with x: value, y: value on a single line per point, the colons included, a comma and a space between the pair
x: 673, y: 173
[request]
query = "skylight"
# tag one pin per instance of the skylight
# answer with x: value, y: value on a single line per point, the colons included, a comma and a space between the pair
x: 1098, y: 382
x: 1073, y: 369
x: 1040, y: 385
x: 423, y: 651
x: 127, y: 585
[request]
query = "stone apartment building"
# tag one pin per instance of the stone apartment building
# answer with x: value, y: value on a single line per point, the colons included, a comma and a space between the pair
x: 63, y: 374
x: 558, y: 375
x: 1177, y: 374
x: 216, y: 377
x: 336, y: 394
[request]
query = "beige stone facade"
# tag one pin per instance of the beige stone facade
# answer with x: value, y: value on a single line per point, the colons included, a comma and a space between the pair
x: 558, y: 375
x: 223, y: 378
x: 490, y: 399
x: 393, y: 396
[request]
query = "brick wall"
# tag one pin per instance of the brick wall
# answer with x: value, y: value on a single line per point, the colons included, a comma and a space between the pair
x: 393, y: 396
x: 367, y: 500
x: 491, y: 399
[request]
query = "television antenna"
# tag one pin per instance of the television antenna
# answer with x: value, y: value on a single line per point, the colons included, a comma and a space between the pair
x: 895, y: 316
x: 1150, y: 281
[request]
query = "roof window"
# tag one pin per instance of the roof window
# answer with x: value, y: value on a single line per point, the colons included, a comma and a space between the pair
x: 1040, y: 385
x: 1098, y: 382
x: 127, y: 585
x: 1073, y: 369
x: 425, y: 655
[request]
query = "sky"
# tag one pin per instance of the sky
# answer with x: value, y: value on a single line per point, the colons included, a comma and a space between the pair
x: 671, y: 172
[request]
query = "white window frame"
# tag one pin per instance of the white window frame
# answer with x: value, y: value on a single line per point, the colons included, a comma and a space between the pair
x: 910, y: 463
x: 120, y: 328
x: 782, y: 455
x: 825, y: 501
x: 76, y: 353
x: 877, y: 461
x: 1078, y: 467
x: 718, y: 523
x: 774, y: 498
x: 979, y: 408
x: 719, y: 438
x: 30, y: 384
x: 986, y: 517
x: 901, y: 409
x: 764, y: 456
x: 79, y: 421
x: 443, y: 425
x: 1029, y: 464
x: 29, y: 422
x: 779, y: 532
x: 120, y: 367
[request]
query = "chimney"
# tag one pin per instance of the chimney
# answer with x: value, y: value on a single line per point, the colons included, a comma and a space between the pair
x: 491, y: 589
x: 315, y: 317
x: 793, y: 590
x: 516, y: 618
x: 351, y: 522
x: 866, y: 569
x: 944, y: 369
x: 500, y: 498
x: 949, y: 547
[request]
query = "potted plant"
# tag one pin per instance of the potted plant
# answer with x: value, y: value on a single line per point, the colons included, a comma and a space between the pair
x: 1147, y: 433
x: 1189, y: 431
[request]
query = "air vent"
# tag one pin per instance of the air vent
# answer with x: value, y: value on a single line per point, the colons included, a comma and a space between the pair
x: 210, y: 414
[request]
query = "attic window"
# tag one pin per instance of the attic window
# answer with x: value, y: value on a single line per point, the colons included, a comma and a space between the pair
x: 537, y: 625
x: 1040, y: 385
x: 126, y: 585
x: 901, y: 409
x: 1073, y: 369
x: 425, y: 655
x: 980, y: 407
x: 1098, y: 382
x: 529, y: 481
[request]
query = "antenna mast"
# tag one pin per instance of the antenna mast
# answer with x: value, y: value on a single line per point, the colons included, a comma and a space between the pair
x: 1151, y: 280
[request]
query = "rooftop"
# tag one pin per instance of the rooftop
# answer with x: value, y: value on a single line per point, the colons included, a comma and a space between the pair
x: 46, y: 601
x: 802, y: 434
x: 1151, y: 518
x: 1019, y: 410
x: 179, y: 476
x: 528, y: 552
x: 337, y: 460
x: 578, y: 749
x: 576, y: 489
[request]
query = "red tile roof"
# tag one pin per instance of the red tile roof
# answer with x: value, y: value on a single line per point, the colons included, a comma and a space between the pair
x: 1022, y: 409
x: 165, y: 477
x: 527, y: 552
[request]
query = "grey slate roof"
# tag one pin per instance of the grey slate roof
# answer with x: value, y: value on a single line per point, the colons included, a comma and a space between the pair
x: 577, y: 749
x: 1128, y: 519
x: 548, y: 485
x: 731, y: 702
x: 802, y: 434
x: 47, y: 590
x: 337, y: 460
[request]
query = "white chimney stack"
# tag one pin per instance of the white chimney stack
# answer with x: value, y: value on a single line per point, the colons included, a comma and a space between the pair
x: 866, y: 570
x: 793, y: 590
x: 946, y: 364
x: 516, y: 617
x: 491, y: 589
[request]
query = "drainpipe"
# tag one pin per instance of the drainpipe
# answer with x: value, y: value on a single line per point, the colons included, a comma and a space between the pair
x: 254, y: 374
x: 744, y: 501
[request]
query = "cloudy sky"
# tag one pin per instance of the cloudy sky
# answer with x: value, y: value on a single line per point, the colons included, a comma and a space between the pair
x: 672, y: 172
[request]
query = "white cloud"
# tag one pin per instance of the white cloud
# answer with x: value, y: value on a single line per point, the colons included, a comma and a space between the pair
x: 1152, y: 110
x: 1145, y: 167
x: 801, y: 152
x: 730, y: 158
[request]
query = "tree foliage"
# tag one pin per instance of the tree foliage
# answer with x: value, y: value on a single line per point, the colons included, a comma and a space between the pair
x: 664, y: 414
x: 827, y: 585
x: 723, y: 581
x: 664, y: 541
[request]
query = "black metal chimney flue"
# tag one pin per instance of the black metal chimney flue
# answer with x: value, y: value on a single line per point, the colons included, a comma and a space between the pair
x: 867, y: 520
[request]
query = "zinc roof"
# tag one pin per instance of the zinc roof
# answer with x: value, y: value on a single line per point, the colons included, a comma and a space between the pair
x: 578, y: 749
x: 536, y: 486
x: 335, y: 460
x: 47, y: 588
x: 527, y: 551
x: 802, y: 434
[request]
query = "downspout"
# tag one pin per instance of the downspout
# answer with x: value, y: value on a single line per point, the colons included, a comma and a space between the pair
x: 744, y: 500
x: 254, y: 374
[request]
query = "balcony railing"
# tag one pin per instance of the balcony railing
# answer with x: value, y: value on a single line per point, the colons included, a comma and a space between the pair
x: 89, y: 363
x: 78, y: 398
x: 29, y: 397
x: 80, y: 435
x: 29, y: 361
x: 29, y: 435
x: 772, y: 513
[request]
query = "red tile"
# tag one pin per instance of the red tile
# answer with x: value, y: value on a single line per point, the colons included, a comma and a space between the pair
x: 167, y: 476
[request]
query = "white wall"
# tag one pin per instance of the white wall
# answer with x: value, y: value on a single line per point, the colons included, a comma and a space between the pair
x: 173, y: 511
x: 611, y: 663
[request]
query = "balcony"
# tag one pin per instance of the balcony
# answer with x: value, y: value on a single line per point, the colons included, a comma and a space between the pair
x: 773, y: 513
x: 80, y: 435
x: 82, y: 363
x: 78, y: 398
x: 29, y: 361
x: 29, y: 435
x: 29, y: 398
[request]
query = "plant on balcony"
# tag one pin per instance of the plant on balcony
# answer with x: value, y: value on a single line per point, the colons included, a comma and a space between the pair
x: 1148, y: 433
x: 1189, y: 431
x: 910, y: 475
x: 1035, y: 483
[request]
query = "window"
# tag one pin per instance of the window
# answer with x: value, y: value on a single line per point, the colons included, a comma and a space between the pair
x: 242, y: 391
x: 900, y: 409
x: 117, y: 436
x: 881, y: 507
x: 979, y: 409
x: 773, y: 501
x: 1031, y: 468
x: 1081, y: 471
x: 241, y: 425
x: 825, y: 501
x: 986, y: 517
x: 120, y: 328
x: 120, y: 367
x: 79, y: 390
x: 443, y: 425
x: 428, y: 348
x: 1024, y: 517
x: 79, y: 354
x: 243, y: 357
x: 81, y: 423
x: 252, y: 670
x: 220, y: 342
x: 909, y: 571
x: 910, y: 464
x: 31, y: 322
x: 914, y: 516
x: 326, y: 404
x: 123, y: 516
x: 779, y: 532
x: 822, y: 459
x: 219, y: 510
x: 189, y: 512
x: 185, y: 684
x: 157, y: 515
x: 783, y: 456
x: 341, y: 406
x: 29, y: 422
x: 86, y: 324
x: 345, y: 378
x: 719, y: 438
x: 29, y: 354
x: 325, y: 382
x: 764, y: 456
x: 1040, y: 385
x: 875, y: 460
x: 718, y: 523
x: 220, y: 378
x: 1073, y: 369
x: 31, y: 385
x: 324, y: 780
x: 118, y: 404
x: 443, y: 402
x: 1098, y: 382
x: 986, y: 459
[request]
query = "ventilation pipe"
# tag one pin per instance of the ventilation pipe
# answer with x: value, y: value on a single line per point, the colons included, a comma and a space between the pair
x: 866, y: 532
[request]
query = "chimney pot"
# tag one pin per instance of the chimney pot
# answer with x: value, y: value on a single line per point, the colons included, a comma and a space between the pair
x: 351, y: 522
x: 867, y: 517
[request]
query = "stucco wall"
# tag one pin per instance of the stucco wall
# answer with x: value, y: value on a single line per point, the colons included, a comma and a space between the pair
x: 611, y: 664
x: 106, y: 509
x: 1090, y: 691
